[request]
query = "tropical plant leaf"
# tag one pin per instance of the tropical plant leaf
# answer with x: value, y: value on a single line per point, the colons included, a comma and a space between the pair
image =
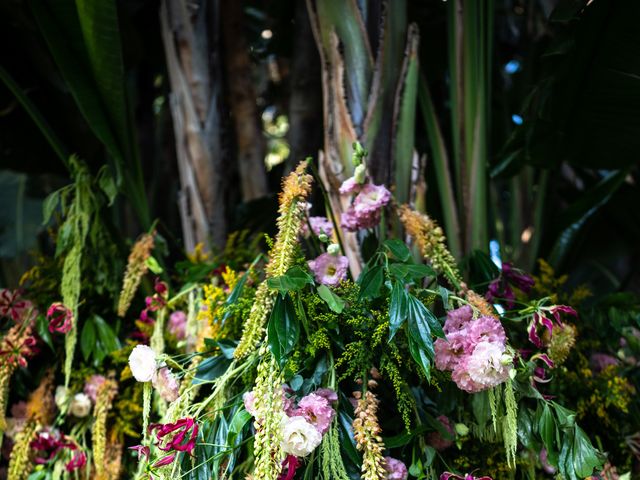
x: 283, y: 329
x: 398, y: 308
x: 335, y: 303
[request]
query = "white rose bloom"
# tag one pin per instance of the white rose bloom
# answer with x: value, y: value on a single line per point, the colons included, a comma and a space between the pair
x: 80, y: 405
x: 142, y: 363
x: 61, y: 396
x: 299, y: 437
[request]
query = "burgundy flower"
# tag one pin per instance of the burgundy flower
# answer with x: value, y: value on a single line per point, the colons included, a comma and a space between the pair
x: 179, y: 436
x: 12, y: 305
x: 467, y: 476
x: 161, y: 288
x: 166, y: 460
x: 47, y: 444
x: 60, y: 318
x: 142, y: 450
x: 291, y: 463
x: 78, y: 460
x: 501, y: 287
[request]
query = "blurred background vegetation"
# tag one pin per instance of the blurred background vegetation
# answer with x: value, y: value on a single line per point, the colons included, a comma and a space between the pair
x: 516, y: 123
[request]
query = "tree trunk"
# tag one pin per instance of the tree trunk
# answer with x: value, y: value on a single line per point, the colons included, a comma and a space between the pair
x: 250, y: 142
x: 189, y: 33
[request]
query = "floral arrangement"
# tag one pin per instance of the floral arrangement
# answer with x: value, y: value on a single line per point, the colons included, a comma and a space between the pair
x: 326, y: 358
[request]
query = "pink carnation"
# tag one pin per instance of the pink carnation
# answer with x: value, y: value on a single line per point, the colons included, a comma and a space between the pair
x: 395, y: 469
x: 457, y: 319
x: 166, y: 384
x: 178, y: 324
x: 484, y: 368
x: 329, y: 269
x: 317, y: 411
x: 486, y: 329
x: 93, y: 385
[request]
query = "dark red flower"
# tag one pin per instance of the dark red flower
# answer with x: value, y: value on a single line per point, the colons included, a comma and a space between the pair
x: 143, y: 451
x: 17, y: 346
x: 501, y: 287
x: 12, y: 305
x: 161, y: 287
x: 291, y: 463
x: 60, y: 318
x: 179, y: 436
x: 78, y: 460
x: 166, y: 460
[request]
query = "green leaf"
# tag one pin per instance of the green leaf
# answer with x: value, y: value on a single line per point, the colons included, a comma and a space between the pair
x: 283, y: 329
x: 481, y: 408
x: 444, y: 294
x: 42, y: 326
x: 585, y: 457
x: 424, y: 319
x: 547, y: 428
x: 237, y: 424
x: 398, y: 249
x: 211, y: 368
x: 335, y: 303
x: 420, y: 356
x: 107, y: 339
x: 88, y: 339
x: 153, y: 265
x: 404, y: 438
x: 107, y: 184
x: 407, y: 272
x: 295, y: 279
x: 371, y: 281
x: 49, y: 205
x: 398, y: 308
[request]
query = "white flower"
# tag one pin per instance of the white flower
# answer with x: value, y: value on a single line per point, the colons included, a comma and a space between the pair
x: 61, y: 396
x: 299, y: 437
x: 80, y: 405
x: 142, y: 363
x: 485, y: 367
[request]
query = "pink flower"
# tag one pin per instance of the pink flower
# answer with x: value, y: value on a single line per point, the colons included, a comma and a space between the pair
x: 178, y: 324
x: 366, y: 208
x: 179, y: 436
x: 249, y: 400
x: 473, y: 350
x: 437, y: 440
x: 327, y: 393
x: 485, y: 367
x: 92, y: 386
x: 166, y: 384
x: 317, y: 411
x: 319, y: 225
x: 60, y: 318
x: 539, y: 319
x: 396, y: 469
x: 12, y: 304
x: 349, y: 186
x: 329, y: 269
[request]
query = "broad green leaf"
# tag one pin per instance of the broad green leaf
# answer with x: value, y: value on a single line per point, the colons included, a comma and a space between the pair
x: 107, y: 184
x: 283, y: 329
x: 405, y: 437
x: 88, y: 339
x: 49, y: 206
x: 107, y: 339
x: 547, y: 428
x: 398, y: 308
x: 425, y: 320
x: 371, y: 281
x: 585, y: 457
x: 444, y: 294
x: 420, y: 356
x: 335, y: 303
x: 295, y: 279
x: 211, y: 368
x: 42, y: 325
x: 481, y: 408
x: 408, y: 272
x: 398, y: 248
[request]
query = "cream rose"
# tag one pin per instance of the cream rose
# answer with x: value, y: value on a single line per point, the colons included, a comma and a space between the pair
x: 142, y: 363
x: 80, y: 405
x: 299, y: 437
